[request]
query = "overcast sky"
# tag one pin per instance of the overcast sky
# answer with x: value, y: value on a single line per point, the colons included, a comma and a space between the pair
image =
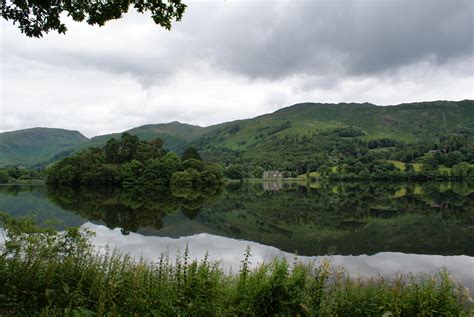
x: 234, y: 59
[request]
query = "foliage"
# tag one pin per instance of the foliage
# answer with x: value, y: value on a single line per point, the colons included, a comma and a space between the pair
x: 4, y: 177
x: 19, y: 175
x: 129, y: 161
x: 234, y: 171
x: 48, y: 273
x: 191, y: 153
x: 34, y: 18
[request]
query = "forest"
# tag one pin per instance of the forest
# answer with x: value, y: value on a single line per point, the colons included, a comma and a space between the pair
x: 129, y: 161
x: 327, y: 154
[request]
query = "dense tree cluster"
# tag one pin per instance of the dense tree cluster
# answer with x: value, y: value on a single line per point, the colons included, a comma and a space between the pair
x: 382, y: 143
x: 385, y: 170
x: 129, y: 161
x: 345, y: 157
x: 15, y: 174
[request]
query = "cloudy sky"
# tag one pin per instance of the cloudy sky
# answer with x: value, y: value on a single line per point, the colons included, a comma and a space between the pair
x: 234, y: 59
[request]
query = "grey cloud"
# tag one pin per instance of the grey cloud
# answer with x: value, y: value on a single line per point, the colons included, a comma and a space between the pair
x: 353, y: 38
x: 236, y: 59
x: 145, y: 68
x: 277, y: 39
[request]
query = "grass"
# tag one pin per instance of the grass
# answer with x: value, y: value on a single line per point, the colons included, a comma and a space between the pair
x: 400, y: 165
x: 312, y: 174
x: 54, y: 274
x: 444, y: 169
x: 416, y: 166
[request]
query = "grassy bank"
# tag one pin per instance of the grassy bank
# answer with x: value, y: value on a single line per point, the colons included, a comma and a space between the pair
x: 48, y: 273
x: 24, y: 182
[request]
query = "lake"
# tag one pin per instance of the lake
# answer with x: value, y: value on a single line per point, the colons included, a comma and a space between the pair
x: 368, y: 228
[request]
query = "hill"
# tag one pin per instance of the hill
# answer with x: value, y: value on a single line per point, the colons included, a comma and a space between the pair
x: 175, y: 134
x: 405, y: 122
x: 31, y: 146
x: 288, y: 139
x: 40, y: 146
x: 295, y: 134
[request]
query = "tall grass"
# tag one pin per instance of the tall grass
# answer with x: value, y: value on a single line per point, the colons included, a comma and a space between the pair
x: 43, y: 272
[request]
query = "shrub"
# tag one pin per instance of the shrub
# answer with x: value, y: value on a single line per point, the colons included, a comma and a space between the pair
x: 4, y: 177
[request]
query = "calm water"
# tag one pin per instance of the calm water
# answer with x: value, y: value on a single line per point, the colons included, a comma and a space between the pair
x: 369, y: 229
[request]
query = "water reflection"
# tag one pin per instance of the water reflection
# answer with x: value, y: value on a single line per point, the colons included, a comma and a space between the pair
x: 274, y: 185
x: 379, y: 228
x: 308, y: 219
x: 230, y: 251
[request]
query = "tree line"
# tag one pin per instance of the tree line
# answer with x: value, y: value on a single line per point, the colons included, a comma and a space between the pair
x: 130, y: 161
x: 333, y: 156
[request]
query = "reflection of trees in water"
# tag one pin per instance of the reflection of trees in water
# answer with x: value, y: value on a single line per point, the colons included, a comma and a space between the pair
x: 352, y: 217
x: 132, y: 207
x: 16, y: 189
x: 355, y: 216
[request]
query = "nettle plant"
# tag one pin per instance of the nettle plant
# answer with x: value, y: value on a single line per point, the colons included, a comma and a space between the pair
x: 23, y: 236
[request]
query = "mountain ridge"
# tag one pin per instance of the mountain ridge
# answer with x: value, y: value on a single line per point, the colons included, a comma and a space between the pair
x: 33, y: 145
x: 407, y: 122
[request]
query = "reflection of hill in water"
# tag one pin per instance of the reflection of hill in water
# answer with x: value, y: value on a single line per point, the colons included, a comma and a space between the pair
x: 26, y: 200
x: 345, y: 218
x: 350, y: 219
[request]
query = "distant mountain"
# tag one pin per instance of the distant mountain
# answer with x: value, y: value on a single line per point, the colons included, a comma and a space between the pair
x: 175, y: 134
x: 264, y: 138
x: 40, y: 146
x: 31, y: 146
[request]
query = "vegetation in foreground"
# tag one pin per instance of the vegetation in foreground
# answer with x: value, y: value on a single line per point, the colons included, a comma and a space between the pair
x: 49, y: 273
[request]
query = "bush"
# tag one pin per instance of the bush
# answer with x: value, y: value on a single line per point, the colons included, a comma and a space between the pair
x: 4, y: 177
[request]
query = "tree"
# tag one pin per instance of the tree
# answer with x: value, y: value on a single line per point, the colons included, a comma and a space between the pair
x: 431, y: 161
x: 36, y: 17
x: 191, y: 153
x: 234, y: 171
x: 156, y: 146
x: 14, y: 172
x: 111, y: 151
x: 181, y: 180
x: 128, y: 146
x: 258, y: 172
x: 194, y: 164
x: 212, y: 175
x: 132, y: 172
x: 461, y: 170
x: 4, y: 178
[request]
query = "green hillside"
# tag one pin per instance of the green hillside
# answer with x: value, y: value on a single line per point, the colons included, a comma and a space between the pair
x: 175, y: 134
x: 406, y: 122
x: 288, y: 139
x: 32, y: 146
x: 289, y: 135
